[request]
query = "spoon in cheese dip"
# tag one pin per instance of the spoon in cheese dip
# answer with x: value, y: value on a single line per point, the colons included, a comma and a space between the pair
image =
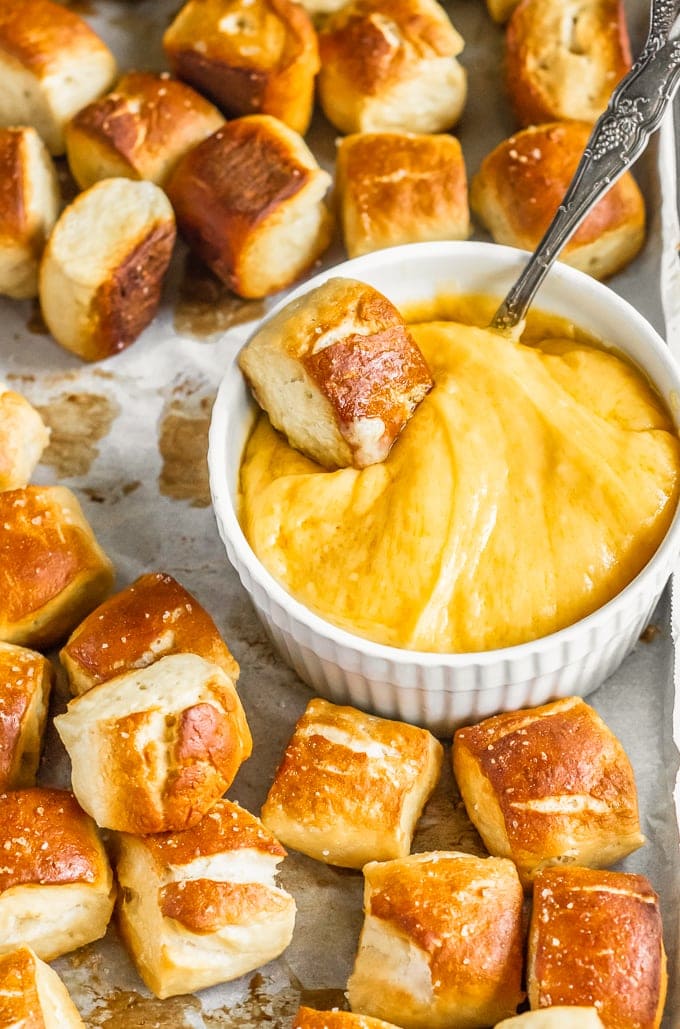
x: 619, y: 136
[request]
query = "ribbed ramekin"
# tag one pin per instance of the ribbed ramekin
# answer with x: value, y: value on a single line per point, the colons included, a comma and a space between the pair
x: 441, y: 691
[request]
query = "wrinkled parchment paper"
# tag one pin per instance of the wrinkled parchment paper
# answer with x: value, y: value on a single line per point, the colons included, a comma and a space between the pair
x: 129, y: 436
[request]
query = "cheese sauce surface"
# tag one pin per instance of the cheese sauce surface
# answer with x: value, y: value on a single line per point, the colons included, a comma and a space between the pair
x: 531, y: 485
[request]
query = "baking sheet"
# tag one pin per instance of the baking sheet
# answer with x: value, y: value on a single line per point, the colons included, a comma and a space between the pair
x: 130, y: 438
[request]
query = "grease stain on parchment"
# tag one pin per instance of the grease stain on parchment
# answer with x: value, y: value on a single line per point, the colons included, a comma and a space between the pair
x: 110, y: 495
x: 651, y: 633
x: 77, y: 422
x: 183, y: 445
x: 205, y: 307
x: 89, y: 973
x: 125, y: 1009
x: 268, y: 1005
x: 324, y: 1000
x: 263, y: 1005
x: 36, y: 323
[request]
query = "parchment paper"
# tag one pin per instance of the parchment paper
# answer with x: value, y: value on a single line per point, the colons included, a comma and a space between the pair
x: 130, y: 437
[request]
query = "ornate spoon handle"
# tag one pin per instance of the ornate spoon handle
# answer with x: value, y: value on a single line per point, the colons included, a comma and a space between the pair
x: 620, y: 135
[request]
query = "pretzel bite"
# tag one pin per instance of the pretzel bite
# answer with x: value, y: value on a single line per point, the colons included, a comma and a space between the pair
x: 338, y: 372
x: 153, y: 617
x: 52, y: 570
x: 51, y: 65
x: 395, y: 187
x: 391, y: 67
x: 521, y: 183
x: 547, y: 786
x: 596, y: 939
x: 152, y: 750
x: 23, y: 437
x: 56, y: 885
x: 26, y: 681
x: 139, y: 130
x: 351, y: 787
x: 29, y: 205
x: 249, y: 202
x: 441, y: 943
x: 249, y: 56
x: 33, y: 994
x: 201, y: 907
x: 563, y: 58
x: 103, y: 268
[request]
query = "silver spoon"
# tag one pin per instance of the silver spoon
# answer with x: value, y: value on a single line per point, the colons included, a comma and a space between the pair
x: 620, y: 135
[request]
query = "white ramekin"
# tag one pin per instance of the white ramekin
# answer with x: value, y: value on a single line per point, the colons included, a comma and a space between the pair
x: 441, y: 691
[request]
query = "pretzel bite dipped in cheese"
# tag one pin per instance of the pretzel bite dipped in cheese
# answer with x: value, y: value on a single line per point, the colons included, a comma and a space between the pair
x: 139, y: 130
x: 25, y: 684
x: 29, y: 205
x: 397, y: 187
x: 351, y: 787
x: 248, y: 56
x: 522, y: 182
x: 563, y: 58
x: 441, y: 943
x: 596, y: 938
x: 201, y: 906
x: 153, y: 749
x: 52, y: 570
x: 23, y: 438
x: 149, y: 619
x: 338, y: 372
x: 391, y: 66
x: 103, y: 268
x: 51, y: 64
x: 56, y: 884
x: 549, y: 785
x: 32, y: 994
x: 249, y: 201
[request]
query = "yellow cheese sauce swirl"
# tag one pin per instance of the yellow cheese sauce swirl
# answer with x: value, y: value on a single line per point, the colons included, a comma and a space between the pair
x: 531, y: 485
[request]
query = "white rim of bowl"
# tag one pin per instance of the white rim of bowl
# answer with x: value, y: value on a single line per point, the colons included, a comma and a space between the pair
x: 229, y: 525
